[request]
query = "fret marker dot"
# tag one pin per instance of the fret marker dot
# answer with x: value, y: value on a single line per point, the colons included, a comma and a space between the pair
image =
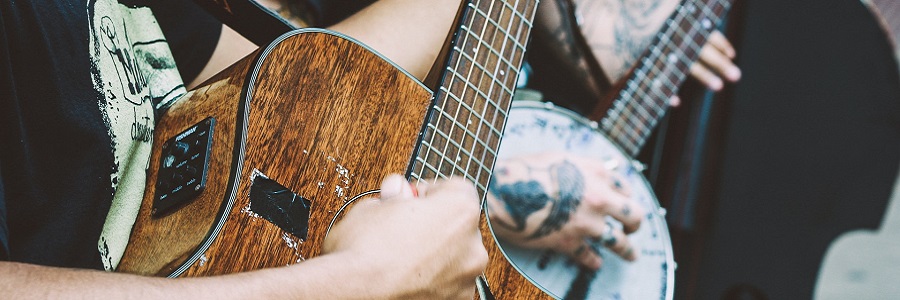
x: 672, y: 58
x: 656, y: 83
x: 691, y: 8
x: 502, y: 72
x: 706, y: 23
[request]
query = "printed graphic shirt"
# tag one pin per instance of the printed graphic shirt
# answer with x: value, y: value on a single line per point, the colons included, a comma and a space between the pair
x: 80, y: 84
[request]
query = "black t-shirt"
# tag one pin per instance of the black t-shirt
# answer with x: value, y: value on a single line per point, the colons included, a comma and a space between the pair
x: 80, y: 83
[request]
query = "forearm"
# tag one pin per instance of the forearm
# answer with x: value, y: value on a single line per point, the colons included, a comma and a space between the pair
x: 313, y: 279
x: 410, y: 33
x: 619, y: 31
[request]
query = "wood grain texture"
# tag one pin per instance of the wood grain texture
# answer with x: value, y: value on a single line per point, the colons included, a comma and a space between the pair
x: 328, y: 119
x: 505, y: 281
x: 158, y: 245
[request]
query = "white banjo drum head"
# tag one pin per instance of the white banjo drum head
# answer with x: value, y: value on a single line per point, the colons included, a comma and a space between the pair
x: 534, y: 127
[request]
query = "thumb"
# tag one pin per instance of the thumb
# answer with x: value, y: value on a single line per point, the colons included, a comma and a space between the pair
x: 395, y: 186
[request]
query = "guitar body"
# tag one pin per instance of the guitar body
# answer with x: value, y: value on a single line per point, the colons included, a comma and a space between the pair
x: 315, y: 112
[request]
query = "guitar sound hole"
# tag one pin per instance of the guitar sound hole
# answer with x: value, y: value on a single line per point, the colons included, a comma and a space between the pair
x: 347, y: 206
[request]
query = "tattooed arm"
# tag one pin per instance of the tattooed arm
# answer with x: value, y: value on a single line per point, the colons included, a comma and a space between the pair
x: 617, y: 33
x: 560, y: 202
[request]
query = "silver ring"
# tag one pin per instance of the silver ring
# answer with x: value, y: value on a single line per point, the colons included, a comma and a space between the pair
x: 607, y: 238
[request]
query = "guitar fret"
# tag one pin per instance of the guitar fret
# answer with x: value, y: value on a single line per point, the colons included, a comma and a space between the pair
x: 439, y: 174
x: 472, y: 101
x: 471, y: 109
x: 459, y: 60
x: 497, y: 25
x: 505, y: 89
x: 658, y: 101
x: 508, y: 65
x: 481, y: 123
x: 484, y: 96
x: 626, y: 121
x: 628, y: 125
x: 484, y: 68
x: 619, y: 132
x: 456, y: 144
x: 669, y: 83
x: 633, y: 88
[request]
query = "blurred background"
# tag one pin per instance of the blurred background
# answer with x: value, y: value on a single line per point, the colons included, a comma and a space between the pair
x: 760, y: 179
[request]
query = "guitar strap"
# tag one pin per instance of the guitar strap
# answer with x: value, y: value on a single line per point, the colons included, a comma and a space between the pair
x: 253, y: 21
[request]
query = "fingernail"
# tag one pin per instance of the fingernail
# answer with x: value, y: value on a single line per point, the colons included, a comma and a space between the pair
x: 393, y: 186
x: 631, y: 255
x: 597, y: 263
x: 734, y: 74
x: 715, y: 84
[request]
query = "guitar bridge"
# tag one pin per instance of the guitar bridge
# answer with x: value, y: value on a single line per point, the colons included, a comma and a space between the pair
x: 183, y: 166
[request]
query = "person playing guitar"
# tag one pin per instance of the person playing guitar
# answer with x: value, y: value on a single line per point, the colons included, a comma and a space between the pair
x: 108, y: 33
x: 617, y: 33
x: 81, y: 83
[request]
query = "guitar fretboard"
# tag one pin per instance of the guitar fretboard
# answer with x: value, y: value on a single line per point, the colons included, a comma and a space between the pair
x: 464, y: 130
x: 645, y: 97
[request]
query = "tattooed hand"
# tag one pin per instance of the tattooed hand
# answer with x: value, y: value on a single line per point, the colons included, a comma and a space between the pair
x: 561, y: 202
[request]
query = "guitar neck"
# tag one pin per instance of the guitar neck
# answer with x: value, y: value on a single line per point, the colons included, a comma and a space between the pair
x: 643, y: 101
x: 463, y: 131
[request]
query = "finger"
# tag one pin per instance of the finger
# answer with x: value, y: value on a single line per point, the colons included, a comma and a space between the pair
x: 360, y: 207
x: 675, y: 101
x: 395, y: 186
x: 719, y: 63
x: 623, y: 209
x: 605, y: 170
x: 421, y: 187
x: 620, y: 185
x: 718, y: 40
x: 455, y: 186
x: 457, y: 193
x: 618, y: 243
x: 706, y: 77
x: 584, y: 254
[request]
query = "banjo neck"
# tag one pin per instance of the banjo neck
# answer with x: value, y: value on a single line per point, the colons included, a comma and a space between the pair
x: 655, y: 79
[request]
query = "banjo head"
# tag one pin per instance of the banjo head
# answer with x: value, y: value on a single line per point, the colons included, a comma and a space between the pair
x: 534, y: 127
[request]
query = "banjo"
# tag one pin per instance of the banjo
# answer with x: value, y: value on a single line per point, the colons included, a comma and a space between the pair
x: 618, y: 136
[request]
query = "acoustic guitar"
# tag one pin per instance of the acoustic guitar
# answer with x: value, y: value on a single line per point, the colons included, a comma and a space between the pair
x: 249, y: 169
x: 616, y: 136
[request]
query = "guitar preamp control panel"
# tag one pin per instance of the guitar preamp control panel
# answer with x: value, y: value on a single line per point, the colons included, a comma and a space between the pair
x: 183, y: 167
